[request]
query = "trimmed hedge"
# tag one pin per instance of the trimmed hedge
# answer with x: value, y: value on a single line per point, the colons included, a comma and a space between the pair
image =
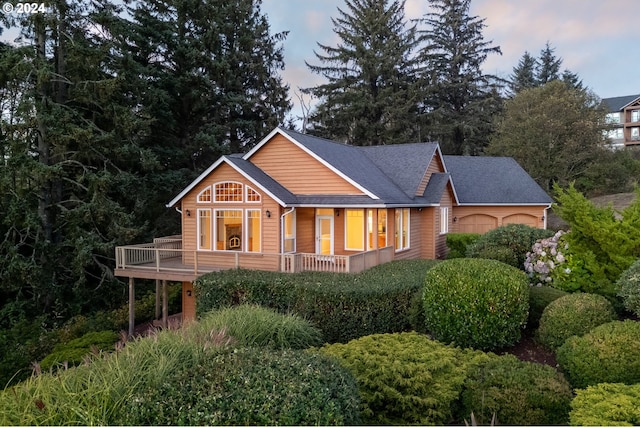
x: 405, y: 378
x: 256, y: 326
x: 573, y: 314
x: 539, y: 298
x: 479, y: 303
x: 343, y: 306
x: 508, y: 243
x: 249, y: 386
x: 606, y: 404
x: 459, y: 242
x: 610, y: 353
x: 517, y: 392
x: 628, y: 286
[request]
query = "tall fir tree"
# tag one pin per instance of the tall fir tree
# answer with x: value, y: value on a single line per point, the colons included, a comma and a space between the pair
x: 370, y: 96
x: 205, y: 73
x: 67, y: 161
x: 524, y: 74
x: 548, y: 65
x: 459, y: 99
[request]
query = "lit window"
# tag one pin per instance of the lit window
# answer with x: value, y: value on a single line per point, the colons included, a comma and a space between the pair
x: 289, y: 232
x: 354, y: 229
x: 444, y: 220
x: 205, y: 196
x: 382, y: 228
x: 204, y: 229
x: 402, y: 229
x: 252, y: 195
x: 228, y: 192
x: 253, y: 230
x: 228, y: 230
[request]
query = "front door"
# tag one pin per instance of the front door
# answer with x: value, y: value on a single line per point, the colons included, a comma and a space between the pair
x: 324, y: 235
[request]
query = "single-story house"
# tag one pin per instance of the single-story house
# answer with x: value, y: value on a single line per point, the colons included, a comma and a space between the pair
x: 297, y: 202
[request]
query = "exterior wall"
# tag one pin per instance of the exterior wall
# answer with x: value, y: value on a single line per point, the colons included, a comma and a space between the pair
x: 188, y: 303
x: 417, y: 226
x: 480, y: 219
x: 286, y: 163
x: 435, y: 166
x: 441, y: 239
x: 305, y: 230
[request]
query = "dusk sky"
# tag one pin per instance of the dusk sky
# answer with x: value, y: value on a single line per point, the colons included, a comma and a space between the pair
x: 596, y: 39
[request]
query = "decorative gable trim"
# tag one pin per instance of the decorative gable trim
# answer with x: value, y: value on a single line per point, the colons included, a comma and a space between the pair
x: 312, y: 154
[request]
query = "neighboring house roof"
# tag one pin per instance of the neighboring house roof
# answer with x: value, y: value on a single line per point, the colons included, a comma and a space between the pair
x: 391, y: 175
x: 619, y: 102
x: 493, y: 181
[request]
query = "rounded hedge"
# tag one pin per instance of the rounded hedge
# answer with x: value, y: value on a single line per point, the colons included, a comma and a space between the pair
x: 508, y: 243
x: 516, y: 392
x: 405, y: 378
x: 256, y: 326
x: 628, y: 286
x: 606, y: 404
x: 478, y: 303
x: 610, y: 353
x: 573, y: 314
x: 249, y: 386
x: 539, y: 298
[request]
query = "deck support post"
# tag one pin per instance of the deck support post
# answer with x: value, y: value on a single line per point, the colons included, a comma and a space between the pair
x: 158, y: 306
x: 165, y: 305
x: 132, y: 309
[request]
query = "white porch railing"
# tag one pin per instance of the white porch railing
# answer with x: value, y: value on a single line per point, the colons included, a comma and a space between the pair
x: 293, y: 263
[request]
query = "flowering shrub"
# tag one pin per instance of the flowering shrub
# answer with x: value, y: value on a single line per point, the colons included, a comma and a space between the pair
x: 550, y: 262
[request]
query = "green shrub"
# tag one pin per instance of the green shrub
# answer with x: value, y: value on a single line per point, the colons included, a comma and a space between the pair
x: 628, y: 286
x: 343, y: 306
x: 573, y: 314
x: 250, y: 387
x: 606, y: 405
x: 539, y: 298
x: 458, y: 243
x: 256, y: 326
x: 508, y: 243
x: 610, y: 353
x: 75, y: 351
x: 517, y: 392
x: 479, y: 303
x: 405, y: 378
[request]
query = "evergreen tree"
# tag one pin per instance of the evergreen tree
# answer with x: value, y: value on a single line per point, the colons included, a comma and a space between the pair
x: 369, y: 98
x: 205, y: 73
x: 524, y: 74
x: 67, y: 156
x: 548, y: 65
x: 572, y: 80
x: 459, y: 99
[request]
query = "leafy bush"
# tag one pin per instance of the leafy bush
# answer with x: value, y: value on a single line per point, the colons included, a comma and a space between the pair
x: 256, y: 326
x: 610, y: 353
x: 628, y: 286
x: 606, y: 405
x: 250, y: 387
x: 75, y: 351
x: 517, y: 392
x: 343, y: 306
x: 573, y: 314
x: 477, y: 303
x: 508, y: 243
x: 405, y: 378
x: 539, y: 298
x: 605, y: 244
x: 458, y: 243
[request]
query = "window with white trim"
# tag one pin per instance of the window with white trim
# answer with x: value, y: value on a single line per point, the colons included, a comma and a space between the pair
x: 402, y: 229
x: 289, y: 231
x: 228, y: 192
x: 204, y: 229
x: 444, y: 220
x: 382, y: 228
x: 253, y: 230
x: 205, y: 196
x: 354, y: 230
x: 252, y: 195
x: 228, y: 229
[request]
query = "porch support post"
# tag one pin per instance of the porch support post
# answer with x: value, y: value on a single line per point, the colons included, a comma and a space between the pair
x: 158, y: 306
x: 165, y: 304
x: 132, y: 310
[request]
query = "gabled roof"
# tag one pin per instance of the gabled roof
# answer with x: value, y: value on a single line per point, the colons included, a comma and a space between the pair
x: 493, y: 181
x: 619, y: 102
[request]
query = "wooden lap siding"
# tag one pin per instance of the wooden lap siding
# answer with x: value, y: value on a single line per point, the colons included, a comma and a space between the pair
x: 286, y: 163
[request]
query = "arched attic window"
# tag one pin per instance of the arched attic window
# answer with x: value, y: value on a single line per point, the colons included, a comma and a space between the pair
x: 228, y: 192
x: 252, y: 195
x: 205, y: 196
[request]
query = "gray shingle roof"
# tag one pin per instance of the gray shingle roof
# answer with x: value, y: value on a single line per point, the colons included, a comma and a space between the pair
x: 493, y: 180
x: 258, y: 175
x: 619, y: 102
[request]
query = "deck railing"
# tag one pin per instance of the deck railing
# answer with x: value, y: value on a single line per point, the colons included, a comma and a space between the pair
x: 297, y: 262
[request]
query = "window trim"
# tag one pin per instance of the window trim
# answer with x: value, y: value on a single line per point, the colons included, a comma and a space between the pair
x: 198, y: 229
x: 215, y: 229
x: 363, y: 230
x: 444, y: 220
x: 248, y: 188
x: 246, y: 231
x: 208, y: 188
x: 215, y: 192
x: 399, y: 229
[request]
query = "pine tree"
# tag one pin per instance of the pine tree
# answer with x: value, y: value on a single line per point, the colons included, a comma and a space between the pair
x: 524, y: 74
x: 369, y: 98
x: 548, y: 65
x: 459, y: 99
